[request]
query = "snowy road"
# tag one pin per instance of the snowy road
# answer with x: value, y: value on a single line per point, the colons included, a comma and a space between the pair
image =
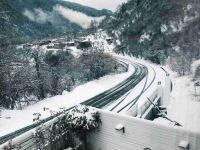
x: 20, y: 121
x: 129, y: 99
x: 122, y: 89
x: 138, y: 95
x: 118, y: 93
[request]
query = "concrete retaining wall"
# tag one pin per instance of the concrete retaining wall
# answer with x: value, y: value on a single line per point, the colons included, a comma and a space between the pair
x: 139, y: 134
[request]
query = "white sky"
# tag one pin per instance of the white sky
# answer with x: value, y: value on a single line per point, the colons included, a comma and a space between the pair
x: 100, y: 4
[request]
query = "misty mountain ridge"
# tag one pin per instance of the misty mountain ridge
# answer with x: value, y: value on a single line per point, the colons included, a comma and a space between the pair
x: 33, y: 19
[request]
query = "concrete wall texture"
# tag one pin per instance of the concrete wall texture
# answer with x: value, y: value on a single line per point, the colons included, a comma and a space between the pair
x: 140, y: 134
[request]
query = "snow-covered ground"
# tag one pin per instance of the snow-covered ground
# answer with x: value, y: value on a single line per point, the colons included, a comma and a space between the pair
x: 12, y: 120
x: 99, y: 40
x: 184, y: 106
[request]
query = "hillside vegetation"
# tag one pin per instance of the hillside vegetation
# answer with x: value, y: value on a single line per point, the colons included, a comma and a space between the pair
x: 157, y: 30
x: 32, y: 19
x: 30, y: 75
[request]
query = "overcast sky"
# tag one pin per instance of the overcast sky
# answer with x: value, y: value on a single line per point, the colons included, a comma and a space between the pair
x: 100, y: 4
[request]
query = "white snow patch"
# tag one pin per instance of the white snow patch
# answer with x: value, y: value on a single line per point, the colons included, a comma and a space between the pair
x: 163, y: 28
x: 76, y: 52
x: 144, y: 37
x: 174, y: 28
x: 20, y: 46
x: 177, y: 26
x: 194, y: 65
x: 163, y: 121
x: 176, y: 48
x: 184, y: 106
x: 118, y: 42
x: 99, y: 41
x: 189, y: 6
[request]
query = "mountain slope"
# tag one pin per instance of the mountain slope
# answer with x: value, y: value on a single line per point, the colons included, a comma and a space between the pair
x: 41, y: 18
x: 148, y: 28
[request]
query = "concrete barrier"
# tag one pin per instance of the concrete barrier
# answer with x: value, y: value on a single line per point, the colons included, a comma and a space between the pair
x: 166, y: 91
x: 121, y: 132
x: 138, y: 134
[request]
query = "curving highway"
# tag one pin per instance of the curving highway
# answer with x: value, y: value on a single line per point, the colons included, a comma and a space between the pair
x: 121, y: 89
x: 100, y: 100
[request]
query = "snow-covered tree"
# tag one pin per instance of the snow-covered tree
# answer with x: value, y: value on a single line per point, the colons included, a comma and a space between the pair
x: 78, y: 121
x: 83, y: 120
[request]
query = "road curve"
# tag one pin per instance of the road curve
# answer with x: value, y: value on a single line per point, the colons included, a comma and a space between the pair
x: 118, y: 91
x: 98, y: 101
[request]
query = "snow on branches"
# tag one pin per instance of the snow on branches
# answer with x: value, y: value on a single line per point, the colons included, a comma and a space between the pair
x: 83, y: 118
x: 80, y: 120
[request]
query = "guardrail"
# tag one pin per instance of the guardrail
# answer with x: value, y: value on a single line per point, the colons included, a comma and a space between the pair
x: 14, y: 134
x: 28, y: 141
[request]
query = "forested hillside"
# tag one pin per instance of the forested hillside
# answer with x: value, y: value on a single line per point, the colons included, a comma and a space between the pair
x: 32, y: 19
x: 157, y: 29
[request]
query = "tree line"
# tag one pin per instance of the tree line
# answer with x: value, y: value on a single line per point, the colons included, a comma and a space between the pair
x: 29, y: 75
